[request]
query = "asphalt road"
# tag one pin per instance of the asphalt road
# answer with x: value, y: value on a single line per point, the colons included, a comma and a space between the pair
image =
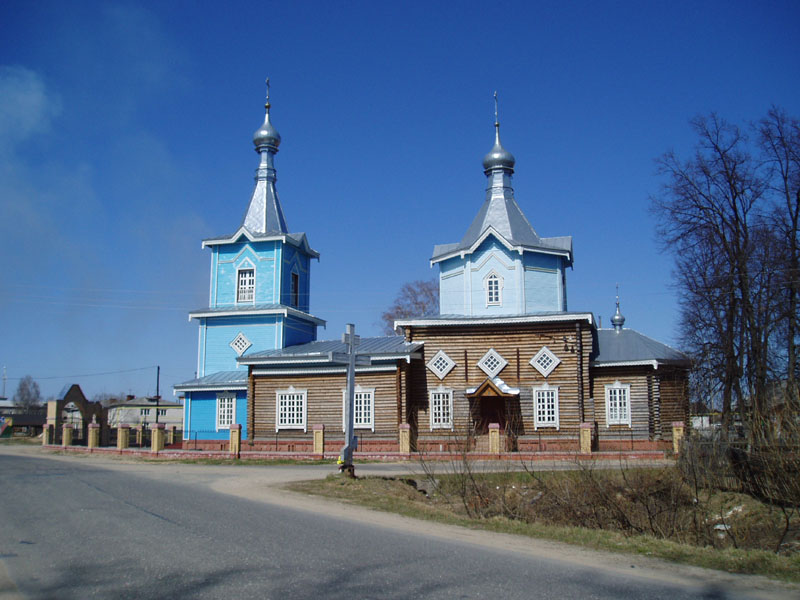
x: 80, y: 529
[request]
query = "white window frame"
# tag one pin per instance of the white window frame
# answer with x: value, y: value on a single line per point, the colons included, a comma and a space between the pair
x: 545, y: 371
x: 364, y: 423
x: 437, y: 358
x: 501, y: 363
x: 442, y: 406
x: 239, y: 272
x: 493, y: 297
x: 226, y: 416
x: 544, y: 389
x: 144, y: 412
x: 298, y: 395
x: 623, y: 416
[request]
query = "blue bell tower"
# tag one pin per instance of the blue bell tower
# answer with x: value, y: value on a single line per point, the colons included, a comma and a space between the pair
x: 259, y: 299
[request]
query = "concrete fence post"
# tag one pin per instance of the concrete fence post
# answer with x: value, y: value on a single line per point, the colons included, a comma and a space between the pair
x: 171, y: 435
x: 405, y: 438
x: 235, y: 447
x: 319, y: 439
x: 157, y: 437
x: 123, y: 437
x: 494, y: 438
x: 94, y: 435
x: 586, y: 438
x: 66, y: 435
x: 678, y: 431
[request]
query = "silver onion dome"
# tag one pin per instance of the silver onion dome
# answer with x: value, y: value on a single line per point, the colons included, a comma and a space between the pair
x: 498, y: 156
x: 266, y: 135
x: 618, y: 320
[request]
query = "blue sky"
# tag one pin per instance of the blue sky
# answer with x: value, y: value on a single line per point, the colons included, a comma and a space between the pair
x: 125, y: 139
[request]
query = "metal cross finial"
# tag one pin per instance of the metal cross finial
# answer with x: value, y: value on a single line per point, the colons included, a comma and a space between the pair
x: 496, y: 119
x: 267, y: 105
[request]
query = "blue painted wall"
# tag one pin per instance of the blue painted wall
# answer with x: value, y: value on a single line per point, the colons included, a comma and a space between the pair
x: 216, y: 334
x: 262, y: 257
x: 201, y: 409
x: 531, y: 282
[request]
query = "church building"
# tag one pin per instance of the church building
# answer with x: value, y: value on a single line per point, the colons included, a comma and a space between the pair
x: 503, y: 367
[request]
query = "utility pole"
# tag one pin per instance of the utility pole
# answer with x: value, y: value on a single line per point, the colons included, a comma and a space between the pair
x: 4, y: 382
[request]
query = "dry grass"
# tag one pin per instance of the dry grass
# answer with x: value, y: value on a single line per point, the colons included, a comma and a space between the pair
x: 532, y: 504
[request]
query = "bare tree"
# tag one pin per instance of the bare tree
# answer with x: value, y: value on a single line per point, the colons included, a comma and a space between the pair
x: 415, y: 299
x: 28, y: 394
x: 779, y: 140
x: 712, y: 216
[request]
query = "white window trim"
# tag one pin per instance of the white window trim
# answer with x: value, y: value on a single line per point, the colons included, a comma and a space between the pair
x: 371, y: 424
x: 440, y: 390
x: 545, y: 387
x: 500, y: 282
x: 247, y: 345
x: 553, y: 365
x: 223, y: 396
x: 618, y: 386
x: 246, y: 267
x: 501, y: 365
x: 291, y: 390
x: 443, y: 373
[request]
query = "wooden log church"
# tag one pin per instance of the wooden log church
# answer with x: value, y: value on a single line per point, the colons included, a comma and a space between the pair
x: 504, y: 367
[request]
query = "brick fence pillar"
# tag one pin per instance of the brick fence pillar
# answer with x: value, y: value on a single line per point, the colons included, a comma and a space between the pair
x: 171, y: 435
x: 586, y: 438
x: 157, y: 437
x: 235, y: 446
x: 494, y: 438
x: 94, y: 435
x: 678, y: 430
x: 66, y: 434
x: 405, y: 438
x: 123, y: 437
x: 319, y: 439
x: 48, y: 435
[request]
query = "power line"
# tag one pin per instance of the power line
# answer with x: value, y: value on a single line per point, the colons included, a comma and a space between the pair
x: 87, y: 374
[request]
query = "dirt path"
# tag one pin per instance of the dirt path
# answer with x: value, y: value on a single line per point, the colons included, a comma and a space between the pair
x: 265, y: 484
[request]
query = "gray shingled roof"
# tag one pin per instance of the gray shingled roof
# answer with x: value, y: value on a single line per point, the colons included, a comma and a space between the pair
x: 507, y: 219
x: 218, y: 380
x: 629, y: 346
x: 297, y: 239
x: 375, y: 347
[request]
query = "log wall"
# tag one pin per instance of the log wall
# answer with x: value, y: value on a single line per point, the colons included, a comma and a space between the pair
x: 571, y: 342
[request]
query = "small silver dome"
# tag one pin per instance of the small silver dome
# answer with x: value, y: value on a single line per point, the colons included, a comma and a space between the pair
x: 498, y: 156
x: 618, y: 320
x: 267, y: 135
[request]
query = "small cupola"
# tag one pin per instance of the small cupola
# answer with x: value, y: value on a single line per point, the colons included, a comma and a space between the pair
x: 266, y: 136
x: 618, y: 320
x: 498, y: 157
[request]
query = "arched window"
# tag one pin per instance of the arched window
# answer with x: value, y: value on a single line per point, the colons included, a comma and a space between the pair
x: 494, y: 286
